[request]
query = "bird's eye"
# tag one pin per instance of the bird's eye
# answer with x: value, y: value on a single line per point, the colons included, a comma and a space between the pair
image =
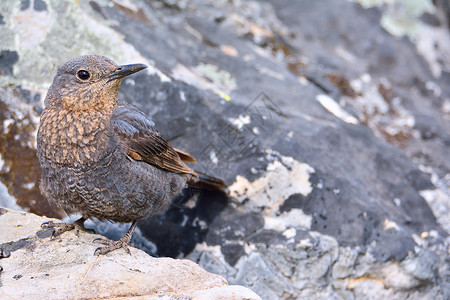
x: 83, y: 75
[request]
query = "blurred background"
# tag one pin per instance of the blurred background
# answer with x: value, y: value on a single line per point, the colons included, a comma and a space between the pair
x: 328, y: 119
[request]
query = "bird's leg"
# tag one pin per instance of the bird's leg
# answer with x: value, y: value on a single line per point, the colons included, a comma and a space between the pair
x: 60, y: 228
x: 113, y: 245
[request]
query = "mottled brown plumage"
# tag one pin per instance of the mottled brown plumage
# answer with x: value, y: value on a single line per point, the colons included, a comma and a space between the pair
x: 101, y: 157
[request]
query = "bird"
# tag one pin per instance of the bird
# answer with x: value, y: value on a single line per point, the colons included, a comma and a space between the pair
x: 103, y: 158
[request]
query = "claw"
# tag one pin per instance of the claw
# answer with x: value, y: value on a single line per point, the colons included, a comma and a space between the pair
x: 100, y: 241
x: 54, y: 234
x: 47, y: 225
x: 98, y: 251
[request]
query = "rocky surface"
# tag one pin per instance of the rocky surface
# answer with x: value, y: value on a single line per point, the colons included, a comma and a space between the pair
x: 33, y: 266
x: 329, y: 120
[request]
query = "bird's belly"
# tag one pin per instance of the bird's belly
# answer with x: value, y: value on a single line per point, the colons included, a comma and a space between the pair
x: 115, y: 188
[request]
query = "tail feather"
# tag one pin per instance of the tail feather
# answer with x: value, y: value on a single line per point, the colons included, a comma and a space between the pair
x: 205, y: 181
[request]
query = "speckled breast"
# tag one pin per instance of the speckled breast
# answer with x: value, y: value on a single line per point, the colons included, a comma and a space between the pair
x: 86, y: 170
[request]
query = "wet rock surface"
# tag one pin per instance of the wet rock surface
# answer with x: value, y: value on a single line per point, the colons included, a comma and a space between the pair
x: 330, y: 126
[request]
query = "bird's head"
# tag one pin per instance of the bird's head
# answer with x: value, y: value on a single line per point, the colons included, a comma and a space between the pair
x: 89, y: 82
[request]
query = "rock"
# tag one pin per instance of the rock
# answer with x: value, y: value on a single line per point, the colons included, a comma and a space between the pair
x: 328, y: 121
x: 36, y: 267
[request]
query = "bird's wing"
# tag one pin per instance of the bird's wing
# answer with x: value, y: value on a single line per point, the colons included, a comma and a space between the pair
x: 144, y: 143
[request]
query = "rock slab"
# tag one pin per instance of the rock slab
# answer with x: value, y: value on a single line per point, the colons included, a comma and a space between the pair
x: 33, y: 266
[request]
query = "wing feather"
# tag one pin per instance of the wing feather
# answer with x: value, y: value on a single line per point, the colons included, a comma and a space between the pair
x: 144, y: 143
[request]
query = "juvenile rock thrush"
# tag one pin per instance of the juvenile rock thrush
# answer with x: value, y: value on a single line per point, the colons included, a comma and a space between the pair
x: 102, y: 157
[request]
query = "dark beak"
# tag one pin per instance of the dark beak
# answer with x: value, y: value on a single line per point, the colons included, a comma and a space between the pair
x: 125, y: 70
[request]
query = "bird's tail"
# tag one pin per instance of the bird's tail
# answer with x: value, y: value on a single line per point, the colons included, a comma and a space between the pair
x: 205, y: 181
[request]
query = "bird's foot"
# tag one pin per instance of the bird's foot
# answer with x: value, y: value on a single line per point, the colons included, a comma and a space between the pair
x: 110, y: 245
x: 114, y: 245
x: 60, y: 228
